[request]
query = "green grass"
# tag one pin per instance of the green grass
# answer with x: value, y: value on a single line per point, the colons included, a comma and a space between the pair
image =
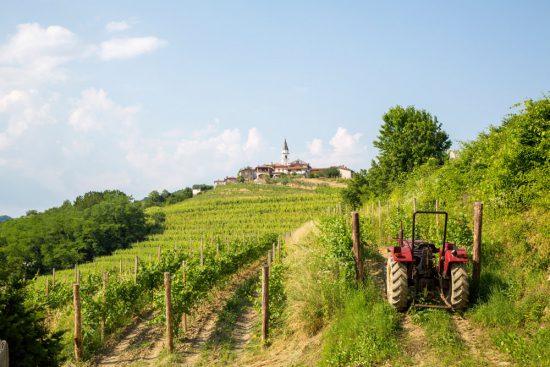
x: 443, y: 339
x: 364, y: 332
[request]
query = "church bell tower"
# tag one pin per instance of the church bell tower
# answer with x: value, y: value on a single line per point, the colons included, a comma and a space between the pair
x: 284, y: 154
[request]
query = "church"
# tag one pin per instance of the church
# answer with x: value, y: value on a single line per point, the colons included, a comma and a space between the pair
x: 261, y: 172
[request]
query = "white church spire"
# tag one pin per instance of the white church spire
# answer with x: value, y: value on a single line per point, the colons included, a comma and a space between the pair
x: 284, y: 154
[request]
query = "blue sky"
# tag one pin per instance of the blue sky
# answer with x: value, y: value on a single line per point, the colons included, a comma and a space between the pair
x: 142, y: 95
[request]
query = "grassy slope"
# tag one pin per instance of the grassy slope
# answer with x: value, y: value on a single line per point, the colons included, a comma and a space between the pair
x: 507, y: 169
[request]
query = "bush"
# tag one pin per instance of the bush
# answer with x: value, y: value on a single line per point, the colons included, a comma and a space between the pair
x: 22, y: 326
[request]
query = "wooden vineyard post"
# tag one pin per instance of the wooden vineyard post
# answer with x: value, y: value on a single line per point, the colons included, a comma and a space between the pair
x: 339, y: 208
x: 379, y: 223
x: 47, y: 287
x: 184, y: 281
x: 77, y: 323
x: 120, y: 266
x: 217, y: 248
x: 168, y: 304
x: 265, y: 303
x: 476, y: 258
x: 279, y: 248
x: 359, y: 273
x: 437, y: 216
x: 4, y: 354
x: 53, y: 277
x: 268, y: 258
x: 273, y: 252
x: 105, y: 281
x: 202, y: 252
x: 136, y: 267
x: 158, y: 253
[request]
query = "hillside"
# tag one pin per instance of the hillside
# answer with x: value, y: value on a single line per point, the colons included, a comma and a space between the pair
x: 236, y: 224
x: 4, y: 218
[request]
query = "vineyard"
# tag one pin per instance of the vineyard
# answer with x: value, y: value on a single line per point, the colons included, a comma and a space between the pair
x: 204, y: 240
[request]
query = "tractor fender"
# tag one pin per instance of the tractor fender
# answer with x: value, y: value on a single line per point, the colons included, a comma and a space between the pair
x: 401, y: 254
x: 460, y: 256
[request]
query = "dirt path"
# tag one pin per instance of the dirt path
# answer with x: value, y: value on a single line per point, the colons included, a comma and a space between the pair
x: 244, y: 328
x: 416, y: 346
x: 477, y: 343
x: 142, y: 342
x: 414, y: 337
x: 204, y: 325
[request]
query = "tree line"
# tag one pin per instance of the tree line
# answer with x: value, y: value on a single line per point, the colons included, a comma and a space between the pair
x: 95, y: 224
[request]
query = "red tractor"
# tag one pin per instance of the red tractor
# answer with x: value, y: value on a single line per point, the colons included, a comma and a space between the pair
x: 413, y: 274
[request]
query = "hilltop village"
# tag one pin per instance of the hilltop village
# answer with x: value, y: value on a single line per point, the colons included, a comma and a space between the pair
x: 297, y: 168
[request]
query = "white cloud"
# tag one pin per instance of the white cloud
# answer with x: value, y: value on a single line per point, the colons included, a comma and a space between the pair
x: 117, y: 26
x: 94, y: 110
x: 346, y: 148
x: 166, y: 162
x: 126, y: 48
x: 23, y: 110
x: 254, y: 141
x: 34, y: 54
x: 315, y: 147
x: 344, y: 143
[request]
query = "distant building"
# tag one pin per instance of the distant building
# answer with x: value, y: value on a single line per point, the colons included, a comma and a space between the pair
x: 196, y: 192
x: 247, y: 174
x: 231, y: 180
x: 219, y: 182
x: 345, y: 172
x: 263, y: 172
x: 342, y: 170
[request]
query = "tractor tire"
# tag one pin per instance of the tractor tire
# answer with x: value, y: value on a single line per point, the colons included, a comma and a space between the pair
x: 397, y: 288
x: 460, y: 292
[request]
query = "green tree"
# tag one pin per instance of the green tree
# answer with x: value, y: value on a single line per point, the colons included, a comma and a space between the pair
x: 407, y: 139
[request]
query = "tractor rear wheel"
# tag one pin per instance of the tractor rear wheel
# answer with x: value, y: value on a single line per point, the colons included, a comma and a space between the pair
x: 397, y: 288
x: 459, y: 286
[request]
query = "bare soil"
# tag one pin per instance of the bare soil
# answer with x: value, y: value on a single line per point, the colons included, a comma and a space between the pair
x: 204, y: 324
x: 478, y: 343
x: 142, y: 342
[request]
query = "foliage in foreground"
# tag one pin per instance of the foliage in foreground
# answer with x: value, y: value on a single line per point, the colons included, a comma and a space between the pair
x: 22, y: 326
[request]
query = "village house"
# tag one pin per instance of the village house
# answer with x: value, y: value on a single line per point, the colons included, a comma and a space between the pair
x: 247, y: 174
x: 345, y: 172
x: 263, y: 172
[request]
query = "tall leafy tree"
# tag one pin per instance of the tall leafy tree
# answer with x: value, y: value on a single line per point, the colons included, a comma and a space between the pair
x: 408, y: 138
